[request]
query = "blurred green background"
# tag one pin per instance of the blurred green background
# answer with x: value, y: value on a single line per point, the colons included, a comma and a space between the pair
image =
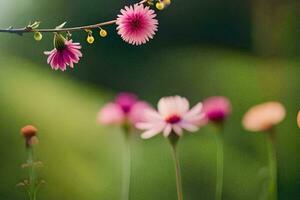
x: 246, y: 50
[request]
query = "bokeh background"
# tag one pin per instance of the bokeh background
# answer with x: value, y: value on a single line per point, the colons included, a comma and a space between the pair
x: 246, y: 50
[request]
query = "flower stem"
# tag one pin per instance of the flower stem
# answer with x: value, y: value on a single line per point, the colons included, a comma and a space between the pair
x: 21, y: 31
x: 177, y: 171
x: 32, y: 174
x: 272, y: 165
x: 126, y: 166
x: 220, y: 166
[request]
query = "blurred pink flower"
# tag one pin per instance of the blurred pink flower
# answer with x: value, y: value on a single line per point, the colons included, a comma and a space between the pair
x: 137, y: 112
x: 65, y: 53
x: 137, y: 24
x: 264, y: 116
x: 298, y: 119
x: 126, y: 108
x: 126, y: 101
x: 112, y: 114
x: 216, y: 108
x: 174, y: 114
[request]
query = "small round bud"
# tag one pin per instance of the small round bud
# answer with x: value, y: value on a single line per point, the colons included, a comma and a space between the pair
x: 103, y: 33
x: 90, y: 39
x: 167, y: 2
x: 29, y: 131
x: 38, y: 36
x: 160, y: 6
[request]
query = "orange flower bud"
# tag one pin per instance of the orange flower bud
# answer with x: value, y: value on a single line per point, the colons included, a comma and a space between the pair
x: 29, y: 132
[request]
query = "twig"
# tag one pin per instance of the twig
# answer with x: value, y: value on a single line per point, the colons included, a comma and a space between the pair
x: 28, y: 29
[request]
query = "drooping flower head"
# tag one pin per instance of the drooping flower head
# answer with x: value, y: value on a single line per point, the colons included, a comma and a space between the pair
x: 216, y: 108
x: 137, y: 24
x: 126, y: 108
x: 298, y: 119
x: 264, y: 116
x: 173, y: 115
x: 65, y: 53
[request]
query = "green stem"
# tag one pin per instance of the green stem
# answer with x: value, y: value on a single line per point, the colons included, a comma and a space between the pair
x: 220, y: 166
x: 272, y: 166
x: 177, y: 171
x: 126, y: 167
x: 32, y: 174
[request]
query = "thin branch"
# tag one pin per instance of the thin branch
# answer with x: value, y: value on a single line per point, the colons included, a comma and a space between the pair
x: 28, y: 29
x: 20, y: 31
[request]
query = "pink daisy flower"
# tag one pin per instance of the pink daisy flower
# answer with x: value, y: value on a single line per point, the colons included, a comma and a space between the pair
x: 137, y: 24
x: 65, y: 53
x: 126, y: 108
x: 173, y: 115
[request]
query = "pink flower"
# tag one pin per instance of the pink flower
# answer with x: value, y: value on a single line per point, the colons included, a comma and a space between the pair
x: 111, y: 114
x: 216, y: 108
x: 65, y: 53
x: 137, y: 24
x: 126, y: 108
x: 137, y: 112
x: 264, y: 116
x: 173, y: 115
x: 126, y: 100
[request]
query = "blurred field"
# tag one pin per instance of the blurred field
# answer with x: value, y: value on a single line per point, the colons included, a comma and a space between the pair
x: 83, y: 160
x: 245, y: 50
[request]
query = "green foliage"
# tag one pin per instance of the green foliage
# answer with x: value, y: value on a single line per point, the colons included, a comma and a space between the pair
x: 82, y: 160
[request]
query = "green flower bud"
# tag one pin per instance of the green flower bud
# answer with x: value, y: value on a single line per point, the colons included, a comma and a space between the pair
x: 38, y: 36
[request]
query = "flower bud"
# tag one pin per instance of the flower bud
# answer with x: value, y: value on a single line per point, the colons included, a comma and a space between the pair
x: 103, y: 33
x: 160, y: 6
x: 38, y: 36
x: 216, y: 108
x: 29, y: 132
x: 90, y: 39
